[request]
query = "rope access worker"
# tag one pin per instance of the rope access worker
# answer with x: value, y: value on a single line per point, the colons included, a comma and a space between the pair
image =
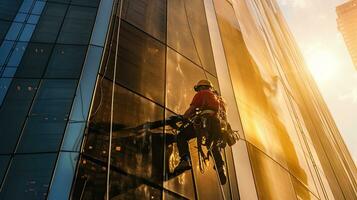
x: 208, y: 103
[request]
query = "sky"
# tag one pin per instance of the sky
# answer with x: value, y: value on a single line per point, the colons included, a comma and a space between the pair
x: 313, y: 23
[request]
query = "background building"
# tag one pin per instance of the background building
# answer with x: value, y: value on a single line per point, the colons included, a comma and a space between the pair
x: 347, y: 24
x: 77, y: 75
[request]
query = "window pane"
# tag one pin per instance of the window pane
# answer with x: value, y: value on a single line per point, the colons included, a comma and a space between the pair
x: 14, y: 110
x: 133, y: 189
x: 182, y: 75
x: 29, y: 177
x: 50, y: 23
x: 66, y: 61
x: 141, y: 65
x: 188, y: 32
x: 77, y: 26
x: 139, y: 153
x: 34, y: 60
x: 46, y: 123
x: 148, y: 15
x: 4, y: 27
x: 90, y: 181
x: 8, y: 9
x: 93, y: 3
x: 13, y: 31
x: 4, y: 162
x: 264, y: 169
x: 5, y: 49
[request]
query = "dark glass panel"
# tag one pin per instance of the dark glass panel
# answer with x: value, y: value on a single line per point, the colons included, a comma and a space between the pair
x: 264, y: 168
x: 66, y: 61
x: 96, y: 144
x: 47, y: 120
x: 141, y: 64
x: 34, y: 60
x: 4, y: 162
x: 50, y: 22
x: 188, y: 32
x: 77, y: 26
x: 137, y: 151
x: 129, y: 187
x: 182, y: 75
x: 5, y: 49
x: 29, y: 177
x: 17, y: 54
x: 9, y: 8
x: 4, y: 27
x: 93, y: 3
x: 90, y: 183
x: 14, y: 111
x: 148, y: 15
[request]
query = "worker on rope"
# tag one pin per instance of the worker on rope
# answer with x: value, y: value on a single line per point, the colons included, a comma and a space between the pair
x: 210, y: 105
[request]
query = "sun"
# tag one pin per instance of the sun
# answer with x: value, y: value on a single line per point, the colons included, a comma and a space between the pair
x: 323, y: 64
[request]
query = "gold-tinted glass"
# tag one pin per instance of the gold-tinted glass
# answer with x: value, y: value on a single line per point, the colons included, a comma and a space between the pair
x: 262, y: 100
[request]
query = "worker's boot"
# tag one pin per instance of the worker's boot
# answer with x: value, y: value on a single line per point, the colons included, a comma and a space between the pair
x: 185, y: 164
x: 222, y: 174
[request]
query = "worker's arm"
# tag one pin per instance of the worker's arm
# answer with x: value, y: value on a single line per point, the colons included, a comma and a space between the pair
x: 189, y: 112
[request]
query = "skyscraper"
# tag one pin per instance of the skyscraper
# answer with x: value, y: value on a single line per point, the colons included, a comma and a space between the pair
x: 80, y: 79
x: 347, y: 24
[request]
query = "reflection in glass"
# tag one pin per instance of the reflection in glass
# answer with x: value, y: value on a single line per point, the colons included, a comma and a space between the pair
x: 141, y: 63
x: 28, y: 177
x: 148, y: 15
x: 181, y: 76
x: 14, y: 110
x: 187, y: 32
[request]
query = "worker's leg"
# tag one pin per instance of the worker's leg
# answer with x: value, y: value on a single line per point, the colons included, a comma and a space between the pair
x: 182, y: 141
x: 214, y: 129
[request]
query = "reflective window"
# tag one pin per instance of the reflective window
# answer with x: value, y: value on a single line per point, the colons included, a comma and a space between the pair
x: 188, y: 32
x: 66, y: 61
x: 34, y: 60
x: 29, y: 177
x: 182, y: 75
x: 45, y: 126
x: 129, y: 187
x: 137, y: 151
x: 17, y: 54
x: 4, y: 162
x: 8, y: 9
x: 5, y: 48
x: 77, y: 25
x: 141, y: 65
x: 148, y: 15
x: 63, y: 176
x: 27, y: 32
x: 14, y: 110
x: 90, y: 181
x: 38, y: 7
x: 264, y: 168
x: 93, y: 3
x: 50, y: 23
x: 13, y: 31
x: 4, y: 26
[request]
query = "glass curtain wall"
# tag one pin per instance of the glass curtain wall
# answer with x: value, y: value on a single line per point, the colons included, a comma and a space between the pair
x: 43, y: 47
x: 156, y: 52
x: 279, y: 127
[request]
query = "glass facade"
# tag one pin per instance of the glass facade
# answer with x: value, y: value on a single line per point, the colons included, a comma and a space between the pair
x: 80, y: 78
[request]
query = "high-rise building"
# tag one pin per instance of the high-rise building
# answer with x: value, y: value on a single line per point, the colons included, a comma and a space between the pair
x: 81, y: 79
x: 347, y: 24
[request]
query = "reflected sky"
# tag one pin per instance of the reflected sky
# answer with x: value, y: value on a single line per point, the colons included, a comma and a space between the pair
x: 313, y: 23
